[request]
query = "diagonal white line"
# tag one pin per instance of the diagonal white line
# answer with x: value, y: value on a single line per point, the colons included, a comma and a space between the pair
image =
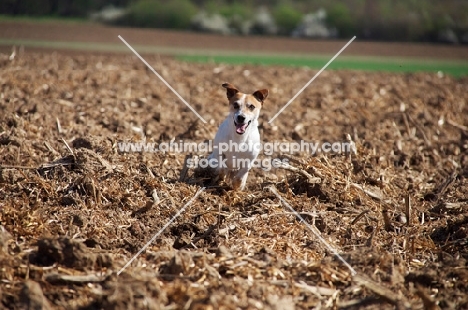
x: 161, y: 230
x: 314, y: 230
x: 311, y: 80
x: 162, y: 79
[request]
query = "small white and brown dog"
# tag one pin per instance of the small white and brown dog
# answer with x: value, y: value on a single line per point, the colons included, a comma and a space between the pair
x: 237, y: 142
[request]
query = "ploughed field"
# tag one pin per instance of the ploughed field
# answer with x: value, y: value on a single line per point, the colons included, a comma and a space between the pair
x: 75, y: 207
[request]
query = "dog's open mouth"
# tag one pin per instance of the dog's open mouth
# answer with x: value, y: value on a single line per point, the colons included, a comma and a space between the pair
x: 241, y: 128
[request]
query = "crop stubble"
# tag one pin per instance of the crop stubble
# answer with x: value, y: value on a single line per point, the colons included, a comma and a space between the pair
x: 74, y: 209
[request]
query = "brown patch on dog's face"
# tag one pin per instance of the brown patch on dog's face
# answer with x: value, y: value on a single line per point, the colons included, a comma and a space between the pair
x: 243, y: 107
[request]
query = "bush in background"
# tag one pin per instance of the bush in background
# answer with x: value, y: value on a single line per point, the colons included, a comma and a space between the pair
x: 176, y: 14
x: 263, y: 23
x: 390, y: 20
x: 239, y: 17
x: 73, y: 8
x: 236, y: 9
x: 339, y: 17
x: 27, y: 7
x: 286, y: 17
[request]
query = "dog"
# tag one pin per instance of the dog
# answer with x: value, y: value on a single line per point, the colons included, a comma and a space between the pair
x: 233, y: 160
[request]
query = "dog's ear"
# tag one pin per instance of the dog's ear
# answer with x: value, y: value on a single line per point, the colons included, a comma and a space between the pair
x: 231, y: 90
x: 261, y: 95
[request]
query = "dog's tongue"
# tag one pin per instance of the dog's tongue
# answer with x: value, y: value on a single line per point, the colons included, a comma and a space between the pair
x: 240, y: 128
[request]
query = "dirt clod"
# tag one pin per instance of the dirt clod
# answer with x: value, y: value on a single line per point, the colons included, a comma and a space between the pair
x: 67, y: 252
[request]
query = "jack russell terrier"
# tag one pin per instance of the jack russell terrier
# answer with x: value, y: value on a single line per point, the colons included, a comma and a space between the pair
x: 237, y: 142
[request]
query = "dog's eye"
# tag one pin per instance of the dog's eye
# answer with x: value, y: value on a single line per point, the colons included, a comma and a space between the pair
x: 236, y: 105
x: 251, y: 107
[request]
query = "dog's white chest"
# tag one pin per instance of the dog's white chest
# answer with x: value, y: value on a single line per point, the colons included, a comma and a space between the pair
x: 236, y: 150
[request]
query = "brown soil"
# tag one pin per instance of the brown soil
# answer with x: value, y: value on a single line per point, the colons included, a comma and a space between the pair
x: 75, y: 209
x: 50, y: 31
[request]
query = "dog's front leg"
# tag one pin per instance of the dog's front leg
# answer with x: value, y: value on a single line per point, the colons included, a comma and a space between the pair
x: 239, y: 180
x: 217, y: 164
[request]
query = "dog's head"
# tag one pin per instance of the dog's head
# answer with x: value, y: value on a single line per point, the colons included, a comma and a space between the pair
x: 244, y: 108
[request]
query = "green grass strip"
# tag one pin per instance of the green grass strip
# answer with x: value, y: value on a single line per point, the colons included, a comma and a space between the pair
x: 384, y: 64
x: 454, y: 68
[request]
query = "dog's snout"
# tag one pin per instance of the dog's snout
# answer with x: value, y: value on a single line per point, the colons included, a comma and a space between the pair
x: 240, y: 119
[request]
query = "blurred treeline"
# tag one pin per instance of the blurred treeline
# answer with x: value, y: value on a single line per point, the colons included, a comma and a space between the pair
x: 395, y: 20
